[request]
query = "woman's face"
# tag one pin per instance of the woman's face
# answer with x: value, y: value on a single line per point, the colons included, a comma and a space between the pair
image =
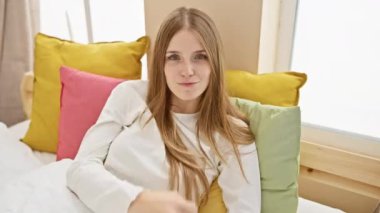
x: 187, y: 71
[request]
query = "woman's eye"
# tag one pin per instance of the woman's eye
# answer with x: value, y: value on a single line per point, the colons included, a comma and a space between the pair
x: 201, y: 57
x: 173, y: 57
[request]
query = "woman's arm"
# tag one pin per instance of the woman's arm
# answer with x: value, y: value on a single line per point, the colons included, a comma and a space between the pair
x: 239, y: 195
x: 100, y: 190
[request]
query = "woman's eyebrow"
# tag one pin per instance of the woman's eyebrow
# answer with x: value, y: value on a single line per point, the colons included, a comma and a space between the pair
x: 172, y: 51
x: 175, y: 51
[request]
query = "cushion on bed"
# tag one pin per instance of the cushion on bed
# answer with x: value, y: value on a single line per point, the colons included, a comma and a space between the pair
x: 278, y: 88
x: 112, y: 59
x: 277, y: 132
x: 277, y: 135
x: 83, y: 96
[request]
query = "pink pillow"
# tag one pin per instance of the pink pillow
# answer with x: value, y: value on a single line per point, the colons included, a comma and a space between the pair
x: 83, y: 96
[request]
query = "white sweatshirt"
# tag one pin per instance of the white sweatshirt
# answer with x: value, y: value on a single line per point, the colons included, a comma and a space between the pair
x: 119, y: 158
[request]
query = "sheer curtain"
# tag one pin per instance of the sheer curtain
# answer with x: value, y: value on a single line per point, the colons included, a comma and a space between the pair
x: 19, y: 22
x: 340, y: 53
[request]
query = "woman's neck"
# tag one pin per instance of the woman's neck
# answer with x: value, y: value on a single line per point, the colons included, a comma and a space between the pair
x: 185, y: 107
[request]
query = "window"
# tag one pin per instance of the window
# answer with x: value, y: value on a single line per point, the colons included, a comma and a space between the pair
x: 337, y: 44
x: 94, y: 21
x: 64, y: 19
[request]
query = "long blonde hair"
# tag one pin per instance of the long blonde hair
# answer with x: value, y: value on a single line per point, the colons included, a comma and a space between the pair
x: 216, y: 113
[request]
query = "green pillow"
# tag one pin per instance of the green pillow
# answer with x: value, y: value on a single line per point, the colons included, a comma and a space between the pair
x: 277, y: 131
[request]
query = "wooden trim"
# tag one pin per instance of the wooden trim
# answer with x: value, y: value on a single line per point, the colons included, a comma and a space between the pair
x: 339, y: 178
x: 270, y: 17
x: 348, y: 141
x: 340, y: 182
x: 285, y: 35
x: 278, y: 22
x: 341, y: 168
x: 331, y: 192
x: 26, y: 89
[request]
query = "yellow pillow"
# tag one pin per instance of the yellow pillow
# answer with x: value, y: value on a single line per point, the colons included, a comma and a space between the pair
x: 113, y: 59
x: 215, y: 202
x: 280, y: 88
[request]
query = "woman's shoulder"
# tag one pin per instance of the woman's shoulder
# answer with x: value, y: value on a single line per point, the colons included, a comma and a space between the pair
x: 223, y: 144
x: 128, y: 99
x: 131, y: 88
x: 237, y: 121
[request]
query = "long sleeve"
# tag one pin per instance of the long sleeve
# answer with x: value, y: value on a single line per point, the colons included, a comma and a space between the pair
x: 241, y: 195
x: 87, y: 177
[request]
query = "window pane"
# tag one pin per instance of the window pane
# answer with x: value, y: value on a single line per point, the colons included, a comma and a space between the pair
x: 63, y: 19
x: 117, y: 20
x: 337, y: 44
x: 112, y: 20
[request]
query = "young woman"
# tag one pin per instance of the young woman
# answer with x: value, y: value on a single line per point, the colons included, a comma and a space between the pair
x: 158, y: 145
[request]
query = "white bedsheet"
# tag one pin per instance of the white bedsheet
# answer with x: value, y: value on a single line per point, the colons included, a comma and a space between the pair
x: 27, y: 184
x: 16, y: 158
x: 18, y: 131
x: 42, y: 191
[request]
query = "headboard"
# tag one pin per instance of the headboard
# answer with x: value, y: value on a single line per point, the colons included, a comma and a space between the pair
x: 26, y: 89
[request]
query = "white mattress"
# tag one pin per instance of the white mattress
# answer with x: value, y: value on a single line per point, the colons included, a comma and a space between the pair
x: 17, y: 159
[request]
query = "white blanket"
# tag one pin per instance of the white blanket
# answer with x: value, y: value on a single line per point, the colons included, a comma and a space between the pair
x: 16, y: 158
x: 26, y: 186
x: 42, y: 190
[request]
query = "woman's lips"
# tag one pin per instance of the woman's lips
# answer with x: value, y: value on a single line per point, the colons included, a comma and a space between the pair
x: 187, y: 84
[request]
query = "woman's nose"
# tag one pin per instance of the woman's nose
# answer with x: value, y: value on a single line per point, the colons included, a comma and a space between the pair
x: 187, y: 69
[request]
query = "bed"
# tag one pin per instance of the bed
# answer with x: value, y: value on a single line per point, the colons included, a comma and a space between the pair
x: 32, y: 181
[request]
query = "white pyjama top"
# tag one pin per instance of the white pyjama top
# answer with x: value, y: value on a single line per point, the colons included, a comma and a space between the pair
x: 120, y: 157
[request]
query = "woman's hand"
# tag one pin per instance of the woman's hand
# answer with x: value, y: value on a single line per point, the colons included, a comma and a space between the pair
x: 161, y: 202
